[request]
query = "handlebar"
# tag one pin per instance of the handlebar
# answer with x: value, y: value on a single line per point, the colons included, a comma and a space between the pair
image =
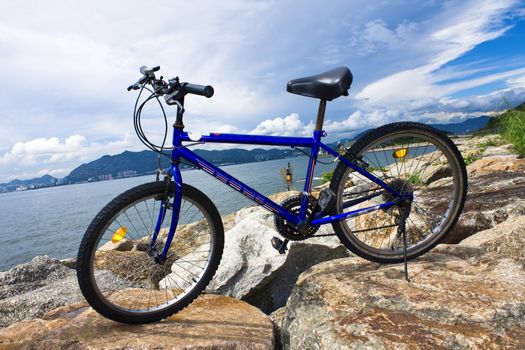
x: 202, y: 90
x: 173, y: 89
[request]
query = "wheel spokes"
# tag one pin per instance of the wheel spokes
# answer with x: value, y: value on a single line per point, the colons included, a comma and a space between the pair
x: 126, y: 272
x: 408, y: 164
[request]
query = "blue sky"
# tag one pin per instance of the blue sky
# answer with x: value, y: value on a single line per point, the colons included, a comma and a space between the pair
x: 65, y: 67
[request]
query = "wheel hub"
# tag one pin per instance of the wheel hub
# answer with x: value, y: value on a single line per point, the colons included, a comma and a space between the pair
x: 401, y: 186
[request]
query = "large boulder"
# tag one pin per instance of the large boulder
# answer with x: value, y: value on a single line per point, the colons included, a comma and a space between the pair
x: 496, y: 190
x: 34, y: 288
x: 252, y: 270
x: 210, y: 322
x: 506, y: 239
x: 458, y: 298
x: 248, y: 255
x: 273, y: 291
x: 32, y: 275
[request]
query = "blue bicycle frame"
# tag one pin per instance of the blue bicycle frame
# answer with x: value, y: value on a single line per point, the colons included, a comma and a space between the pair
x: 314, y: 143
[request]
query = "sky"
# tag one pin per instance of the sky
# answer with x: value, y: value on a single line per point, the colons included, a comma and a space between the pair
x: 66, y: 66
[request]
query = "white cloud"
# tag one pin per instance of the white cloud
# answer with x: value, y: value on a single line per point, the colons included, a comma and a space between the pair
x: 293, y: 126
x: 42, y: 146
x: 376, y: 36
x: 468, y: 105
x: 68, y: 64
x: 466, y: 28
x: 517, y: 81
x: 288, y: 126
x: 55, y: 157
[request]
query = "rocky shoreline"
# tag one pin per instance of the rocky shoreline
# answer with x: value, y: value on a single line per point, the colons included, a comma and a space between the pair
x: 316, y: 296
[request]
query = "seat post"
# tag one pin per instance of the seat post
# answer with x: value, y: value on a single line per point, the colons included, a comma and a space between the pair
x: 320, y: 115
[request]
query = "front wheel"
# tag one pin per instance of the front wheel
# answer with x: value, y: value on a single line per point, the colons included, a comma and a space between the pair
x: 410, y: 158
x: 117, y: 269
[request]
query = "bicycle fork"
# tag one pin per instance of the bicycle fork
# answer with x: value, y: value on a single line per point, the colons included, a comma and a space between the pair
x: 173, y: 177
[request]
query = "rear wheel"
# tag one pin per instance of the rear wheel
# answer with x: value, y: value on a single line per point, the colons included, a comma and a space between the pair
x: 410, y: 158
x: 117, y: 270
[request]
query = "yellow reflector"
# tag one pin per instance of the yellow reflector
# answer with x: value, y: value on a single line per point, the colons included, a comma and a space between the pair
x: 119, y: 234
x: 400, y: 153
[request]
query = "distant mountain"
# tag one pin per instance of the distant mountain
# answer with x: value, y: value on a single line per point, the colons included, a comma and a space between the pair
x: 145, y: 162
x: 44, y: 180
x: 520, y: 107
x: 465, y: 127
x: 141, y: 162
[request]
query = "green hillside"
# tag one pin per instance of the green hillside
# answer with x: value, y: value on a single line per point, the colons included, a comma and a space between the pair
x: 145, y: 162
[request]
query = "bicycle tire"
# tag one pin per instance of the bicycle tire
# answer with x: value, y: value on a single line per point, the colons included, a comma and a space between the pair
x: 369, y: 248
x: 100, y: 273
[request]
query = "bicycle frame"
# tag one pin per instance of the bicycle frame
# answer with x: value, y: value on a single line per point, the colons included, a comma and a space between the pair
x: 314, y: 143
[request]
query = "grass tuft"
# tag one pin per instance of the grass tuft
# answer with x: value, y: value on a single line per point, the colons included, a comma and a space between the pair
x: 469, y: 159
x: 327, y: 176
x: 513, y: 121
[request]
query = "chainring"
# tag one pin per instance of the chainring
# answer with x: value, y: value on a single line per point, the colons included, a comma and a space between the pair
x: 287, y: 230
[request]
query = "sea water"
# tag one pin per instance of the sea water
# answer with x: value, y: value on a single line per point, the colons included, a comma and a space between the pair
x: 51, y: 221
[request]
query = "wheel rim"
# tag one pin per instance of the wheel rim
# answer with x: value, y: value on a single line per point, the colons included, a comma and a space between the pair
x: 423, y: 170
x: 128, y: 279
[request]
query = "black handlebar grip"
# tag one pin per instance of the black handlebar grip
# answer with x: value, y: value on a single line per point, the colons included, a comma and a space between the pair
x: 203, y: 90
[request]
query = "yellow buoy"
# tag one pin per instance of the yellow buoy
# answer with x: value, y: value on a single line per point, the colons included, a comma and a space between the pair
x: 119, y: 234
x: 400, y: 153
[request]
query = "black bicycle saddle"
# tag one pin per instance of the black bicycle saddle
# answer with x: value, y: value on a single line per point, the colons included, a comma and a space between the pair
x: 326, y: 86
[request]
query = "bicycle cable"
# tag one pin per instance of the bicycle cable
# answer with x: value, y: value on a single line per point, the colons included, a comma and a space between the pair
x: 137, y: 113
x: 319, y: 161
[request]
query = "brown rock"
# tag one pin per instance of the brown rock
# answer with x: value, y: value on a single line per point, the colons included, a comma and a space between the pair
x: 496, y: 189
x: 506, y: 239
x: 459, y: 298
x: 503, y: 150
x: 211, y: 322
x: 496, y: 164
x: 278, y: 317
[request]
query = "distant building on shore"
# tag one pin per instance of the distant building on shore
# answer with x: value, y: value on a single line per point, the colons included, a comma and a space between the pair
x: 126, y: 173
x: 105, y: 177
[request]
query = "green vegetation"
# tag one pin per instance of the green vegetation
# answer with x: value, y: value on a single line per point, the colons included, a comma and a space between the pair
x: 326, y: 176
x: 382, y: 169
x: 513, y: 122
x: 493, y: 127
x: 493, y: 141
x: 415, y: 179
x: 471, y: 158
x: 510, y: 125
x: 145, y: 162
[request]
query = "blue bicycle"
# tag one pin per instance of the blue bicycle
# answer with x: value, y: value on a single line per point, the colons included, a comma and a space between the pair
x: 395, y: 193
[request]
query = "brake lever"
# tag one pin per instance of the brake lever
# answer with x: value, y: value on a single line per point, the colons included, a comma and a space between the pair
x: 133, y: 87
x: 137, y: 85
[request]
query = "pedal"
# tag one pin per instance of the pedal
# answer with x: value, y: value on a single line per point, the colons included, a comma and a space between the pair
x: 280, y: 245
